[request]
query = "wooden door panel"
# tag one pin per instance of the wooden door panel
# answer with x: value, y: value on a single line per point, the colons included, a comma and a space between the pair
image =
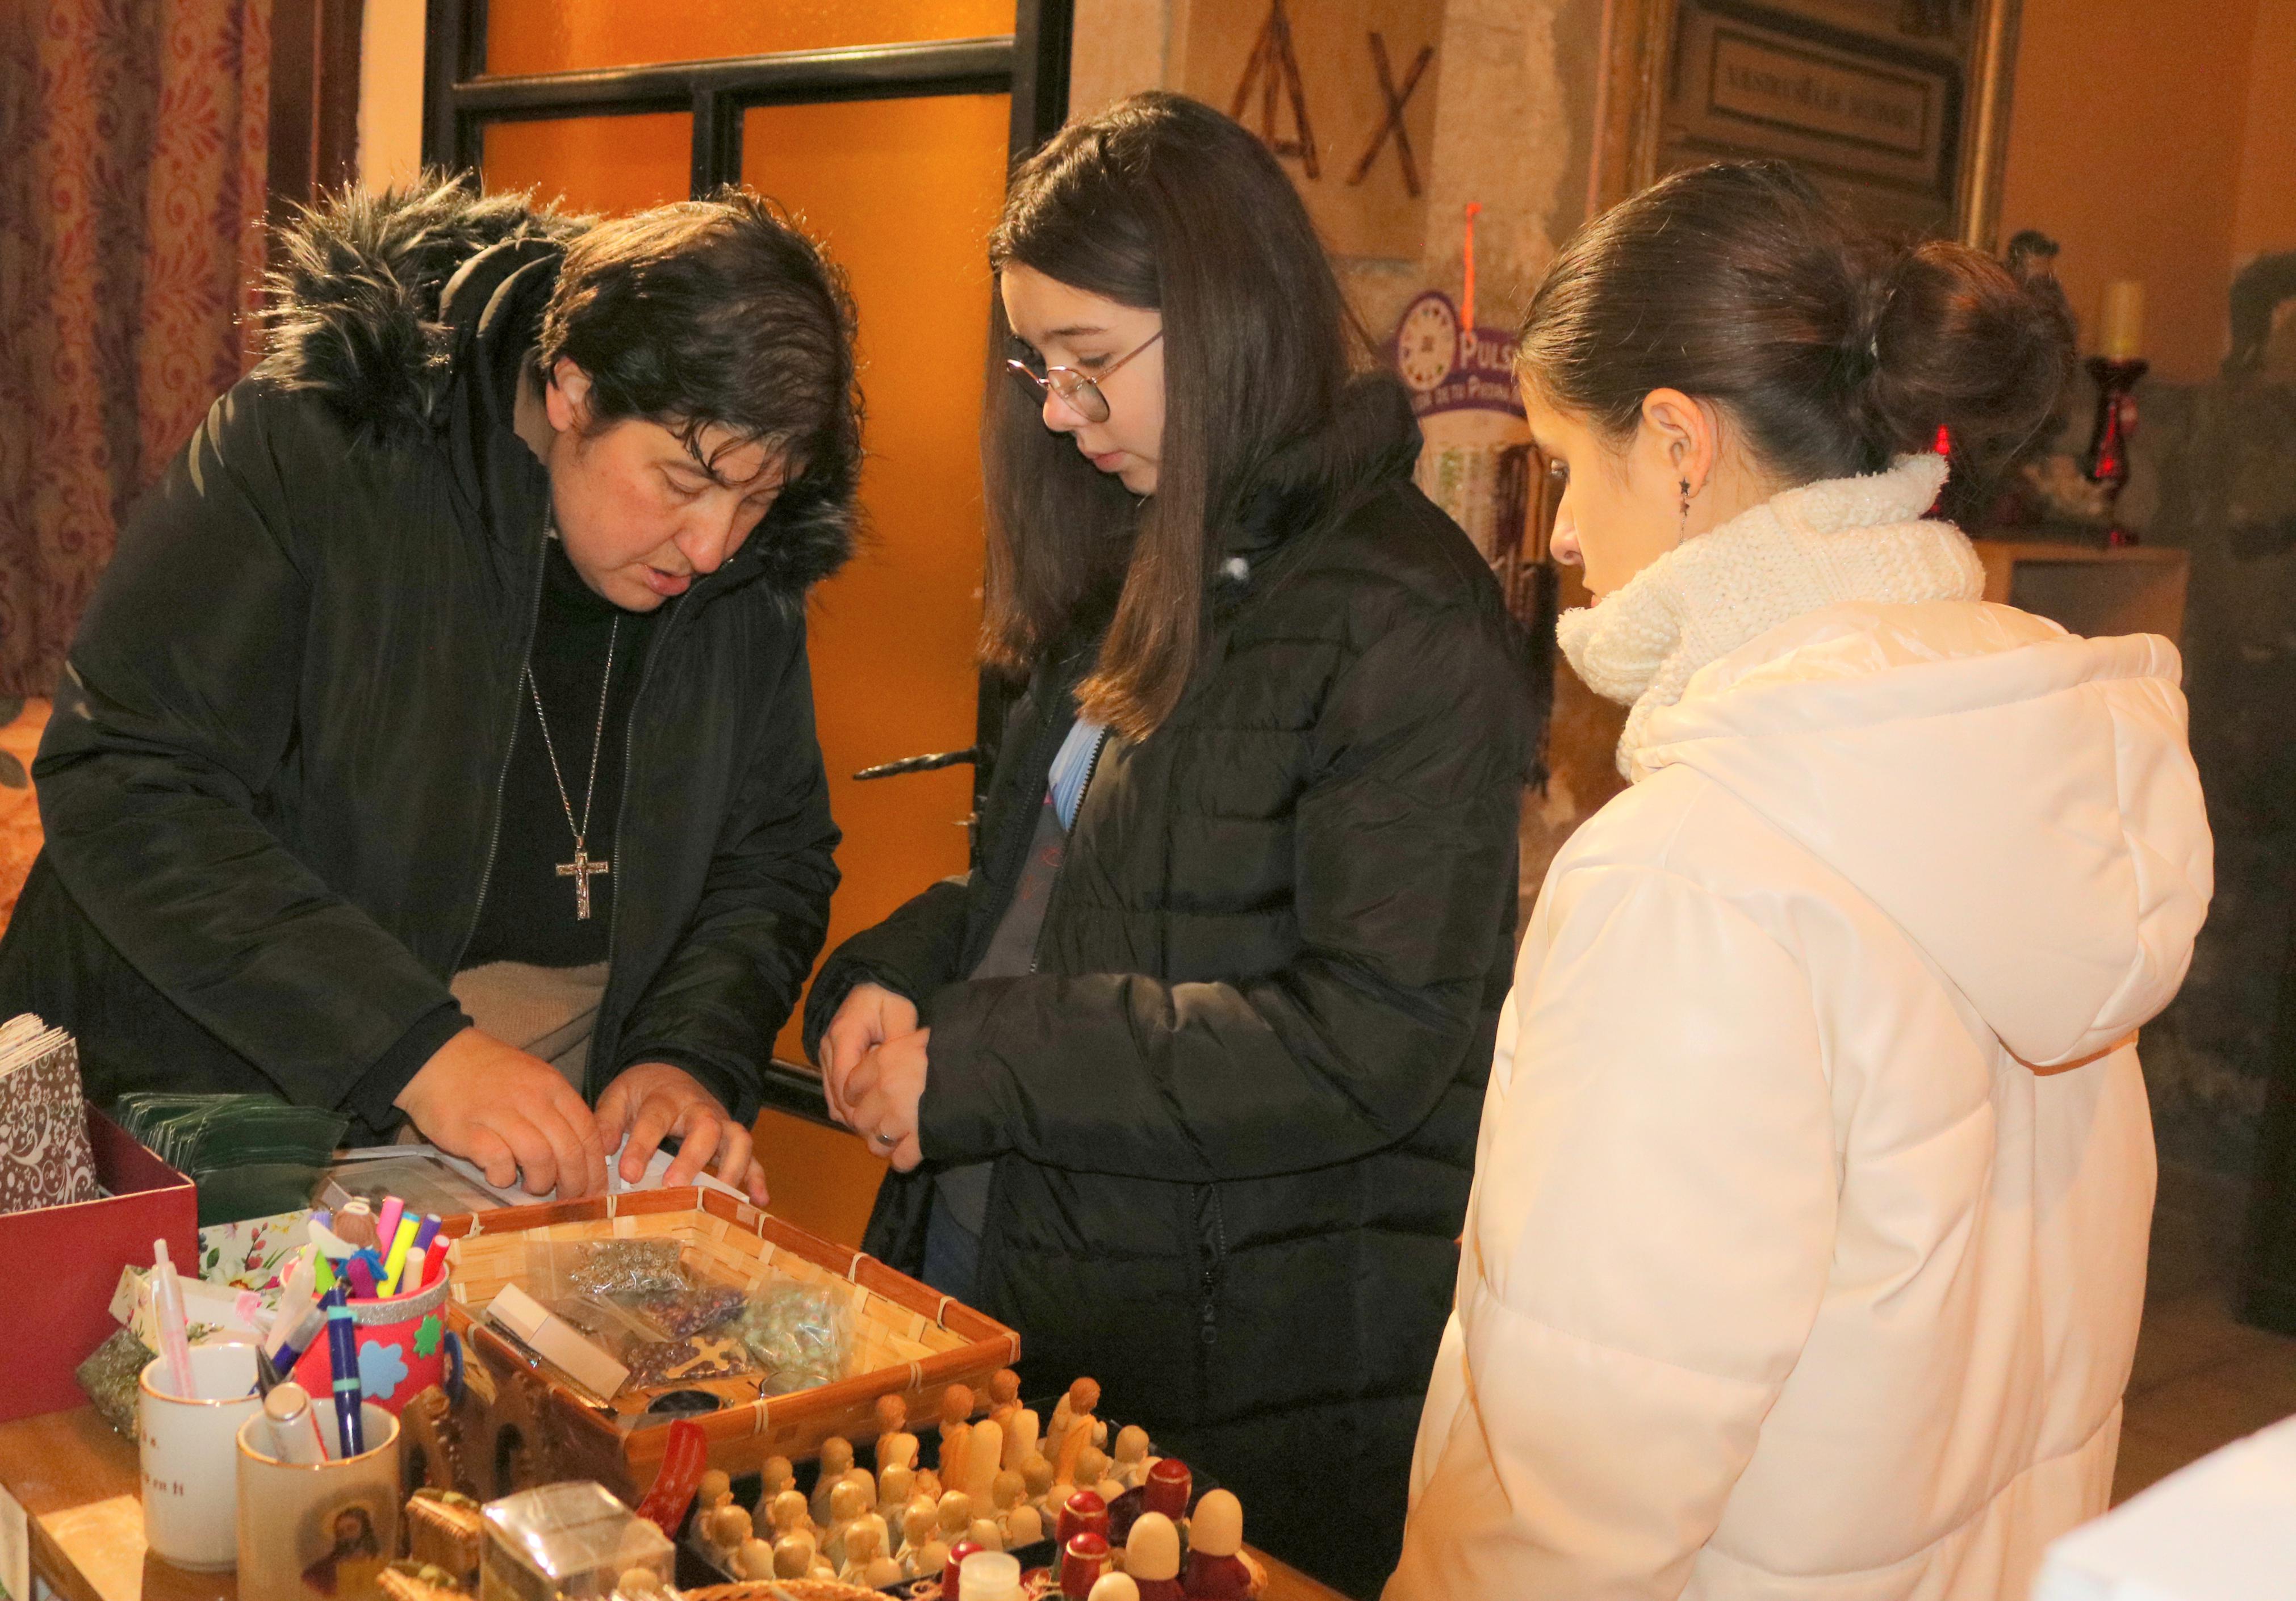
x: 556, y: 36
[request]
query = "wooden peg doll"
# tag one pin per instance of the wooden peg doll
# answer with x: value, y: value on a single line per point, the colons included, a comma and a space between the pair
x: 1131, y: 1466
x: 793, y: 1556
x: 984, y: 1453
x: 1037, y: 1480
x: 1072, y: 1448
x: 836, y: 1462
x: 1023, y: 1434
x: 955, y: 1455
x: 846, y: 1504
x: 955, y: 1410
x: 896, y: 1446
x: 929, y: 1484
x: 1007, y: 1492
x: 1076, y: 1406
x: 725, y: 1528
x: 955, y: 1514
x: 1115, y: 1587
x: 1004, y: 1394
x: 1170, y: 1488
x: 774, y: 1477
x: 1024, y: 1526
x: 894, y: 1486
x: 985, y: 1534
x: 864, y: 1547
x: 1216, y: 1569
x: 753, y: 1560
x: 787, y: 1514
x: 922, y: 1550
x: 868, y: 1480
x: 1152, y: 1557
x: 715, y: 1490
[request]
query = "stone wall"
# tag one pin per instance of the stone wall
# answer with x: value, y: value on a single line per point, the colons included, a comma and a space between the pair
x: 2215, y: 476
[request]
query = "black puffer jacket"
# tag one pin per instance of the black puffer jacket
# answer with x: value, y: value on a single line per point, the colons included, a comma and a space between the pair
x: 1233, y: 1114
x: 270, y: 784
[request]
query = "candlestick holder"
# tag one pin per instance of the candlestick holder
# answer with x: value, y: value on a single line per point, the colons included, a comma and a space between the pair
x: 2106, y: 462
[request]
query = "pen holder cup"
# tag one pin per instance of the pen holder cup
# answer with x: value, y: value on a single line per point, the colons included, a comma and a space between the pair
x: 184, y: 1447
x: 321, y: 1529
x: 402, y: 1349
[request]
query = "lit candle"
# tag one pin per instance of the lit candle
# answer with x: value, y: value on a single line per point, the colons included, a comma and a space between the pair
x: 2121, y: 331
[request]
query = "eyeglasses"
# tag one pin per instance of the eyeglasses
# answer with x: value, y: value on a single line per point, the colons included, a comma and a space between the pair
x: 1081, y: 394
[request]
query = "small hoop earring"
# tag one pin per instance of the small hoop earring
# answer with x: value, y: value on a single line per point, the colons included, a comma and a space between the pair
x: 1685, y: 502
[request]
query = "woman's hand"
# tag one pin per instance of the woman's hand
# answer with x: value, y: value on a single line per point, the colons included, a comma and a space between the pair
x: 871, y: 1015
x: 512, y: 1113
x: 884, y: 1091
x: 655, y: 1101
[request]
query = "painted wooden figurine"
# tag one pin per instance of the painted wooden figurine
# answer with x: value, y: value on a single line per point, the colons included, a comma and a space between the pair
x: 836, y: 1462
x: 1076, y: 1407
x: 923, y: 1552
x: 1152, y: 1557
x: 1216, y: 1569
x: 1130, y: 1468
x: 896, y: 1446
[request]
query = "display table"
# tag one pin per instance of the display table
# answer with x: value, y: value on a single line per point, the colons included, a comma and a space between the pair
x: 77, y: 1480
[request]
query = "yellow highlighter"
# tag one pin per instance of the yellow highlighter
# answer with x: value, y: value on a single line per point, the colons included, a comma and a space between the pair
x: 394, y: 1265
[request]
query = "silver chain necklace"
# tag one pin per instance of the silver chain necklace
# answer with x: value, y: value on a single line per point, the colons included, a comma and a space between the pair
x: 583, y: 868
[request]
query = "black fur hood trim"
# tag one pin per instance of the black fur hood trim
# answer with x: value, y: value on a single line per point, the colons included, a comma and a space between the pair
x: 354, y: 303
x: 355, y: 319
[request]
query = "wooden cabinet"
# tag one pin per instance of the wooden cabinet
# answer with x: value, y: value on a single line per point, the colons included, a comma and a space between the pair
x: 2092, y: 591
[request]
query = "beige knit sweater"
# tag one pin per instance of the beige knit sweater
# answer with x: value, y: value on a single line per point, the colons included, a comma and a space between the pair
x: 1840, y: 539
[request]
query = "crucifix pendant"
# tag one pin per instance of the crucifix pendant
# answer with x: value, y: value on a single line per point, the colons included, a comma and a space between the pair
x: 582, y: 870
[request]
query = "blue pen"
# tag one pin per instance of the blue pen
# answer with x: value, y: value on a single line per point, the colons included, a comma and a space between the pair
x: 298, y: 1339
x: 342, y: 1353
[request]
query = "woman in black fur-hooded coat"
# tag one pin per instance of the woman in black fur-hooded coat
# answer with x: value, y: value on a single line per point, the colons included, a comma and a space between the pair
x: 295, y: 781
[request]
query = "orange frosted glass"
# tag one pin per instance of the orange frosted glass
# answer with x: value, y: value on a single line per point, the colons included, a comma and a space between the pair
x: 560, y: 36
x: 904, y: 193
x: 594, y: 163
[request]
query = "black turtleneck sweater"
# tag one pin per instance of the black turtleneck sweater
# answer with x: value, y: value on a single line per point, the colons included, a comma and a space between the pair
x: 528, y: 913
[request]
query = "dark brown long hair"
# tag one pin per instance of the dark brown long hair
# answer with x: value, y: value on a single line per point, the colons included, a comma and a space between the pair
x: 1833, y: 346
x: 1161, y: 203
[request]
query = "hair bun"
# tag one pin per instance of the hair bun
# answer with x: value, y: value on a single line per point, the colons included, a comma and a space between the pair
x: 1833, y: 346
x: 1874, y: 291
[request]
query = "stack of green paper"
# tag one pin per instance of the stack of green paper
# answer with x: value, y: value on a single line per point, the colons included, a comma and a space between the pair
x: 251, y: 1155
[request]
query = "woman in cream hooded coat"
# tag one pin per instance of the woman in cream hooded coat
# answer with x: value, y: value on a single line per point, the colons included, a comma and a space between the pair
x: 1807, y: 1238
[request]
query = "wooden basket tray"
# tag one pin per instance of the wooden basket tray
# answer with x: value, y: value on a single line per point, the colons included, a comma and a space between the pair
x: 520, y: 1425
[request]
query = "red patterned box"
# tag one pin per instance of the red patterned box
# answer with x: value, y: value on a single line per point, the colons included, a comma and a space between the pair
x: 68, y: 1259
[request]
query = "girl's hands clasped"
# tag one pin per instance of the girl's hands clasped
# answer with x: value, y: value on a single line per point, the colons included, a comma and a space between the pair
x: 882, y: 1093
x: 870, y: 1015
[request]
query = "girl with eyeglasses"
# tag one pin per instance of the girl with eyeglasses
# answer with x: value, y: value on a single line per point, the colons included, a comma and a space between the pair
x: 1182, y: 1080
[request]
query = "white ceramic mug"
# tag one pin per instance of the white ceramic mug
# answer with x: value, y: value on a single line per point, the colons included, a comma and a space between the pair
x: 321, y: 1528
x: 191, y: 1482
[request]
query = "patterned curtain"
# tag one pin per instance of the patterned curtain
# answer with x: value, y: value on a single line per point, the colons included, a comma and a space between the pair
x: 133, y: 164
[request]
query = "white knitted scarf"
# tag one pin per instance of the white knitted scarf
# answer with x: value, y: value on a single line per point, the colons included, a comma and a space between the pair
x: 1842, y: 539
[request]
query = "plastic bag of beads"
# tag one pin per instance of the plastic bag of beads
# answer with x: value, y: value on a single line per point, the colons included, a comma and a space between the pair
x: 621, y: 1267
x: 690, y: 1308
x: 665, y: 1364
x: 800, y: 1334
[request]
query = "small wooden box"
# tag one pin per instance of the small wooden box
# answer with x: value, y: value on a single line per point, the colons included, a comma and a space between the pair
x: 518, y: 1425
